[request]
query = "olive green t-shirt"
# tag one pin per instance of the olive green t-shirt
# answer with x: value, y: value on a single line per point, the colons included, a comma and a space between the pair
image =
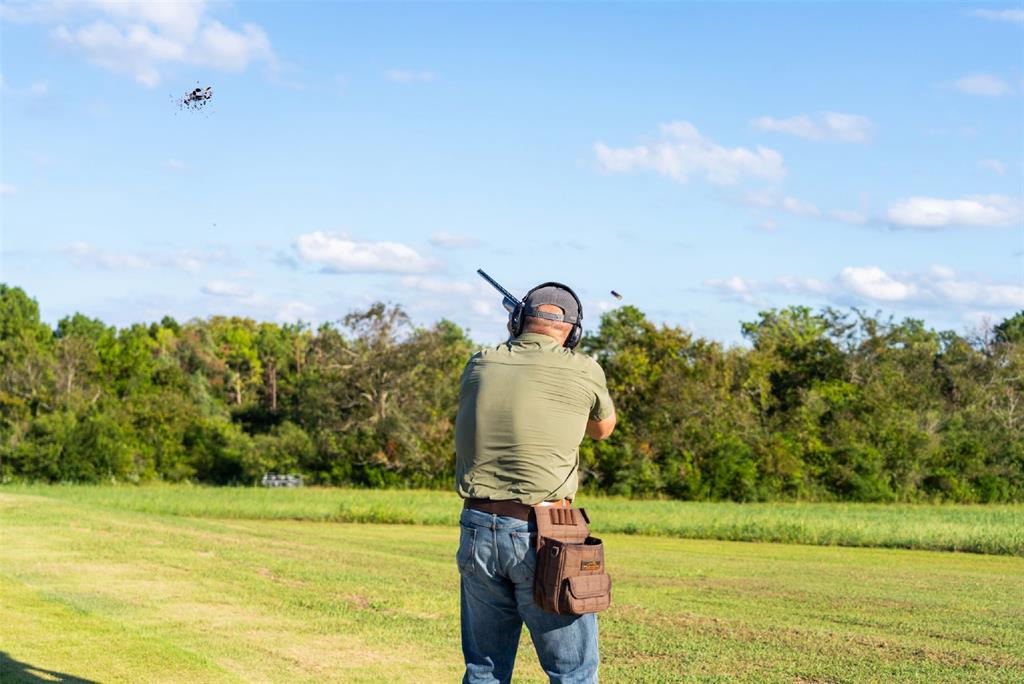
x: 523, y: 410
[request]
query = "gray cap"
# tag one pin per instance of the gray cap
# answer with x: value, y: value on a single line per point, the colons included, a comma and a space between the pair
x: 558, y: 296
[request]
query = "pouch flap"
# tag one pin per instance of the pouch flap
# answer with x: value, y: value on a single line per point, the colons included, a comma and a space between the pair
x: 564, y: 524
x: 589, y: 586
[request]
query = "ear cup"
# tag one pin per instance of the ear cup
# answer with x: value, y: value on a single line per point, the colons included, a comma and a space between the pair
x: 516, y: 321
x: 575, y: 335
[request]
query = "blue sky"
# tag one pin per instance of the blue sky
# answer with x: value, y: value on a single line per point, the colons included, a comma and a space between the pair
x: 706, y: 160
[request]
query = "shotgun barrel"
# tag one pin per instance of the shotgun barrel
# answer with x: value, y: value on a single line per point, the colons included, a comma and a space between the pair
x: 509, y: 301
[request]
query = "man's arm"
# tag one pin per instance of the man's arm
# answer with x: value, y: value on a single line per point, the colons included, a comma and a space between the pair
x: 602, y: 414
x: 601, y: 429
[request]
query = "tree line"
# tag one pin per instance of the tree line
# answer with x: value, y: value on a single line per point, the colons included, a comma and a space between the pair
x: 827, y: 405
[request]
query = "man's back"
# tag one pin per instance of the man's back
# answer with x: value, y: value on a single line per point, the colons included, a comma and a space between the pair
x: 524, y: 407
x: 523, y: 410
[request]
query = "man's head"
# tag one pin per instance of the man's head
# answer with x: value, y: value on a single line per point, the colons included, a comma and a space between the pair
x: 557, y: 329
x: 553, y: 310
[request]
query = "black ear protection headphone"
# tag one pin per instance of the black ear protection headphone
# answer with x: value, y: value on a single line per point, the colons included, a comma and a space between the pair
x: 519, y: 314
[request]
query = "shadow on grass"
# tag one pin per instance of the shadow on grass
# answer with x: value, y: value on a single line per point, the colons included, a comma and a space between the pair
x: 16, y: 672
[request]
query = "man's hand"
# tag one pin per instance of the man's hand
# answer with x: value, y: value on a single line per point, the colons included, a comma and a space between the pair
x: 601, y: 429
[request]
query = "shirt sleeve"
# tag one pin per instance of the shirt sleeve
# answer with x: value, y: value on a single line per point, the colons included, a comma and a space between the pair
x: 603, y: 407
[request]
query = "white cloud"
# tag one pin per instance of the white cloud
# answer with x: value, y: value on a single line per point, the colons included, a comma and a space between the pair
x: 977, y: 211
x: 294, y: 311
x: 874, y: 283
x: 980, y: 294
x: 453, y: 240
x: 222, y: 48
x: 225, y: 288
x: 193, y: 260
x: 735, y: 284
x: 939, y: 286
x: 142, y: 39
x: 771, y: 200
x: 985, y: 85
x: 751, y: 291
x: 485, y: 308
x: 180, y: 19
x: 35, y: 90
x: 682, y: 151
x: 1014, y: 16
x: 339, y: 254
x: 736, y: 287
x: 993, y: 165
x: 408, y: 76
x: 762, y: 198
x: 798, y: 207
x: 437, y: 286
x: 471, y: 302
x: 85, y: 254
x: 26, y: 12
x: 847, y: 216
x: 801, y: 285
x: 826, y: 126
x: 800, y: 126
x: 6, y: 189
x: 176, y: 165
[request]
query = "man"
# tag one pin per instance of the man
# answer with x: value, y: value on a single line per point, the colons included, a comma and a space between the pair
x: 524, y: 407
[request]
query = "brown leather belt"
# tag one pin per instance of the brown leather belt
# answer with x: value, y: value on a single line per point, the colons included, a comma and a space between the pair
x: 513, y: 509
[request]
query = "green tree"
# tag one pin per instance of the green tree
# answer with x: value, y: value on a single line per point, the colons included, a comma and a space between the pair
x: 235, y: 340
x: 1011, y: 330
x: 26, y: 383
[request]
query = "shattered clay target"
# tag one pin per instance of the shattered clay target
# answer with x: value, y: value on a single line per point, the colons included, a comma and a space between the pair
x: 195, y: 100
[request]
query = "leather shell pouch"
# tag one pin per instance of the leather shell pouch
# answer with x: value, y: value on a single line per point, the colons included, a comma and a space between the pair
x: 570, y: 577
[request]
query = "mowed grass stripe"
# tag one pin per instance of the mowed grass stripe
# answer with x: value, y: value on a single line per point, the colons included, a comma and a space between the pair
x: 265, y: 608
x: 976, y: 529
x: 54, y: 639
x: 280, y: 600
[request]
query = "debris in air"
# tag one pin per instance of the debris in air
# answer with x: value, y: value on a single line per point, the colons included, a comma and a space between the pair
x: 196, y: 99
x: 616, y: 295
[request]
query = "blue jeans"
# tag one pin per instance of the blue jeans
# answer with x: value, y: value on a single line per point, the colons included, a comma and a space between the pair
x: 496, y: 560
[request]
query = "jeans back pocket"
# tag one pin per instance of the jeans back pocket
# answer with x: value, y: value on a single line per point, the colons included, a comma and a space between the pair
x: 465, y: 556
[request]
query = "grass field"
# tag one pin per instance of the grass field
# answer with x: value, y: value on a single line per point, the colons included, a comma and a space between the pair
x: 978, y: 529
x: 133, y: 585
